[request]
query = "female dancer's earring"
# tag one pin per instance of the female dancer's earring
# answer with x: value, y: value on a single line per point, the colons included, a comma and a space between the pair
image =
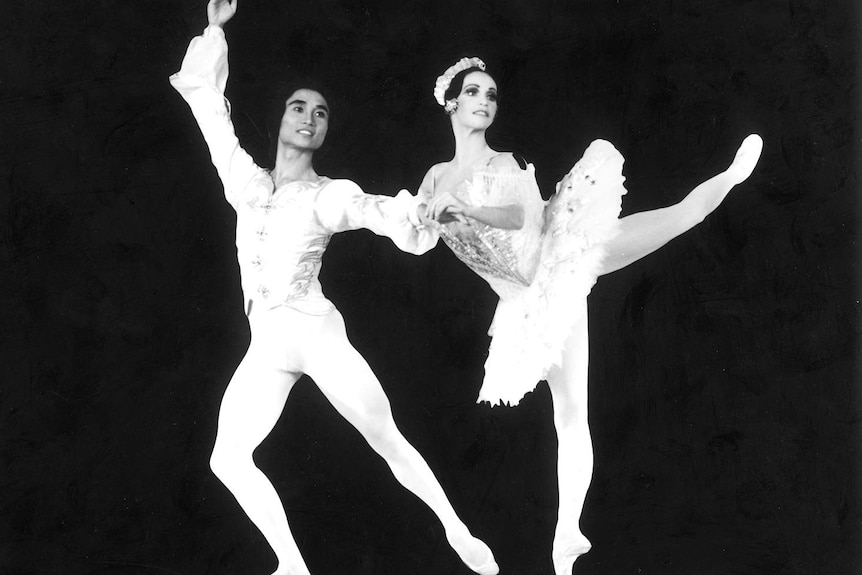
x: 451, y: 106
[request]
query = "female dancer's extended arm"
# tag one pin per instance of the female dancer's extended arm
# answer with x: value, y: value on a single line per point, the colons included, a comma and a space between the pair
x: 645, y: 232
x: 509, y: 217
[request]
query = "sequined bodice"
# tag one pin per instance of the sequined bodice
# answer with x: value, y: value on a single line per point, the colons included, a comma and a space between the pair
x: 506, y: 259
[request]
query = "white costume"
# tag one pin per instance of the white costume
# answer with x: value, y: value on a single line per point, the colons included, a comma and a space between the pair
x: 281, y: 233
x: 542, y: 272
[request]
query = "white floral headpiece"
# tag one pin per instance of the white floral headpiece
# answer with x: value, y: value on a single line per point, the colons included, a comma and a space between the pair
x: 446, y: 79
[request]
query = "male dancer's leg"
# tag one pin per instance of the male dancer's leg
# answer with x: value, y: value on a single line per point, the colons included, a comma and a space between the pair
x: 347, y: 381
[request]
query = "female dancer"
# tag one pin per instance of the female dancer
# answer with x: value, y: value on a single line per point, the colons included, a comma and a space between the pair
x: 285, y: 219
x: 542, y: 259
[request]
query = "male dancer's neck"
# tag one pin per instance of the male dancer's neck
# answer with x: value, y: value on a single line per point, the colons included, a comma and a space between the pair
x: 293, y: 165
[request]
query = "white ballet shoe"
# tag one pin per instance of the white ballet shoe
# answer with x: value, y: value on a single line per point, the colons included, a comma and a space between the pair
x: 489, y: 567
x: 564, y: 558
x: 467, y: 547
x: 746, y: 158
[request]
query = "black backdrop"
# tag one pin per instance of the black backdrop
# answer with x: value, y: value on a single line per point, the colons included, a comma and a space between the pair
x: 723, y: 404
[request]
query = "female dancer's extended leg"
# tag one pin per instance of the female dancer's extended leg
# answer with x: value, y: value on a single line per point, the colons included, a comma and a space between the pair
x: 252, y: 404
x: 640, y: 235
x: 645, y: 232
x: 348, y: 383
x: 568, y: 384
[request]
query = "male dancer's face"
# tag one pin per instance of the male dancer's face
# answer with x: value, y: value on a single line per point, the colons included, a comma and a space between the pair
x: 305, y: 120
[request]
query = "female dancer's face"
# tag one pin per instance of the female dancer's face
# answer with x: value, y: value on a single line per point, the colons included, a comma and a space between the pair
x: 305, y: 120
x: 477, y: 102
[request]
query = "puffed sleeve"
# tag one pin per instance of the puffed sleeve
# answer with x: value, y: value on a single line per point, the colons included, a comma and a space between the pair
x: 342, y: 206
x: 201, y: 82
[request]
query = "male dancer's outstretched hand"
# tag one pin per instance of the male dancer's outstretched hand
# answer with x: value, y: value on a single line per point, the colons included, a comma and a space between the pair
x: 220, y: 11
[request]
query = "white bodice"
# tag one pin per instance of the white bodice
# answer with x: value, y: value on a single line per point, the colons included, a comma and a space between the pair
x: 506, y: 259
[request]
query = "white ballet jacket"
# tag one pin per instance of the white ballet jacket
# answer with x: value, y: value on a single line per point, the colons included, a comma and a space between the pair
x: 282, y: 232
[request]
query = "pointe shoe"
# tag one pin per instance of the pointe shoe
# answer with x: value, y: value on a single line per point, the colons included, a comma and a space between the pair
x: 746, y: 158
x: 488, y: 565
x: 564, y: 560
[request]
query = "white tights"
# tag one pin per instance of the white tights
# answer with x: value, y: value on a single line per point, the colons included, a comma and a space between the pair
x: 286, y: 343
x: 641, y: 234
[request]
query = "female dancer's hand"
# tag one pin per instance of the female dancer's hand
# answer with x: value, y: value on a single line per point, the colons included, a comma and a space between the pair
x: 422, y: 214
x: 220, y: 11
x: 447, y: 208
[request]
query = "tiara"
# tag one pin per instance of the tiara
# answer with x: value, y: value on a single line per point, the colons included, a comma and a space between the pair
x: 446, y: 79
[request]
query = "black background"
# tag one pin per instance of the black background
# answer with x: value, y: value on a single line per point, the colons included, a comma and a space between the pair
x: 724, y: 408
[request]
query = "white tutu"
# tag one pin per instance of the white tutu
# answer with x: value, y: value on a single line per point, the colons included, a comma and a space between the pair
x: 543, y: 272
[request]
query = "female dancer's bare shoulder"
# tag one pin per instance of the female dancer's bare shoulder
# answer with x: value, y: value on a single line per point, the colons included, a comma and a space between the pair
x: 504, y: 161
x: 426, y: 188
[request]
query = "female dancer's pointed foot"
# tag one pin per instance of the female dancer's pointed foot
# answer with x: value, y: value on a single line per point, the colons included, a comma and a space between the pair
x: 473, y: 553
x: 746, y: 158
x: 564, y: 554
